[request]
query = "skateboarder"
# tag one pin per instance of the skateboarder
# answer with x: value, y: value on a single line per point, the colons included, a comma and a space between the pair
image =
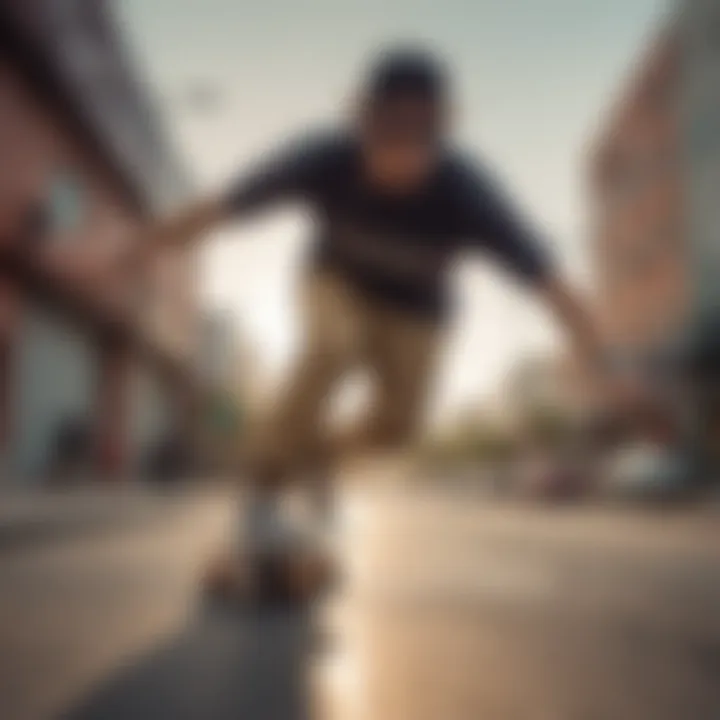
x: 395, y: 204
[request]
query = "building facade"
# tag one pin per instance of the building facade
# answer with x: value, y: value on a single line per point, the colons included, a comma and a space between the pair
x: 654, y: 188
x: 639, y: 243
x: 84, y: 165
x: 699, y: 37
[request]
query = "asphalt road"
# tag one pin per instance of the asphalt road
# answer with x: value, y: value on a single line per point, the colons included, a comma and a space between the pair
x: 454, y: 609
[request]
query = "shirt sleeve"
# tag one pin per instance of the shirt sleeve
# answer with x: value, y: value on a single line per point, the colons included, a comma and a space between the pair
x: 490, y: 222
x: 294, y: 172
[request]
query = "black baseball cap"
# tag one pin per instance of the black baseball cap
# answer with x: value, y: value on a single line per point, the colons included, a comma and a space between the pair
x: 412, y: 72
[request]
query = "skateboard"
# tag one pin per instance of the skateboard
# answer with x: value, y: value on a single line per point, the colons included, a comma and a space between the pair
x: 290, y: 576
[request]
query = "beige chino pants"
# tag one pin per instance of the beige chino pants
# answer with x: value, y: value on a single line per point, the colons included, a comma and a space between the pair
x: 343, y: 331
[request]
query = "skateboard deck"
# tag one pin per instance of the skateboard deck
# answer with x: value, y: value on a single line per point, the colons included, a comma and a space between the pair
x: 271, y: 577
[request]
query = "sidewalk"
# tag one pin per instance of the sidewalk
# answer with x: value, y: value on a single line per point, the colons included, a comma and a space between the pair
x: 28, y: 516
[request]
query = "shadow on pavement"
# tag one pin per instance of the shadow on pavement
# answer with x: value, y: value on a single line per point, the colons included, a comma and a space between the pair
x: 225, y: 665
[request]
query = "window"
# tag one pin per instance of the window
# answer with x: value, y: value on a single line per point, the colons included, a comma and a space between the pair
x: 65, y: 206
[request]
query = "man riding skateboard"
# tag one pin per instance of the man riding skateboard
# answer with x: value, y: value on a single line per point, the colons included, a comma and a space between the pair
x: 395, y: 204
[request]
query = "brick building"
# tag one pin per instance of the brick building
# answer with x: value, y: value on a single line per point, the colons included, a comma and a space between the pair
x: 81, y: 147
x: 654, y: 174
x: 640, y: 248
x: 654, y: 190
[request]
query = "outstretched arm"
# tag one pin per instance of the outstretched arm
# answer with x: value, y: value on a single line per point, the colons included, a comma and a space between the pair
x: 183, y: 228
x: 504, y: 233
x: 611, y: 390
x: 574, y: 317
x: 292, y: 173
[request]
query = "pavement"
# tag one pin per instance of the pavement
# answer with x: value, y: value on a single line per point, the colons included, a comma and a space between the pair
x: 30, y: 515
x: 453, y: 609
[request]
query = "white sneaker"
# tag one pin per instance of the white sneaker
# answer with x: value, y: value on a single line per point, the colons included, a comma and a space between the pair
x: 268, y: 528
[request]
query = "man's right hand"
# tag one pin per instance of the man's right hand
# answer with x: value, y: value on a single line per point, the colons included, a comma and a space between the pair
x: 186, y: 227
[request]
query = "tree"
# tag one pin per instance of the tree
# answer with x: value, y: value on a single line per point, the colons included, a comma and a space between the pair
x: 546, y: 427
x: 474, y: 438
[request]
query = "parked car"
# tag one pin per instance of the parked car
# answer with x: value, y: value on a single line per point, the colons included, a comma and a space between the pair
x: 168, y: 460
x: 550, y: 478
x: 647, y: 470
x: 72, y: 450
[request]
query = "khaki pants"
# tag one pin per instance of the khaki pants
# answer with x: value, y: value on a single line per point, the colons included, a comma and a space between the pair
x: 344, y: 331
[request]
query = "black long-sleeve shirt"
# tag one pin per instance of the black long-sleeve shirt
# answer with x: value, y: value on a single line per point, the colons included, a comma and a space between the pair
x: 396, y: 248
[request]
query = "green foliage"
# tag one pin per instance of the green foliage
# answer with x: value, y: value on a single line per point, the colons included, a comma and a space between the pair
x: 483, y: 441
x: 477, y: 440
x: 546, y: 427
x: 223, y: 415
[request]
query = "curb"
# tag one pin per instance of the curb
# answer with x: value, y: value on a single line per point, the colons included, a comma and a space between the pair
x: 42, y: 528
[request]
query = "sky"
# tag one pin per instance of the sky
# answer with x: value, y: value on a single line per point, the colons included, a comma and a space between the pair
x: 535, y: 80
